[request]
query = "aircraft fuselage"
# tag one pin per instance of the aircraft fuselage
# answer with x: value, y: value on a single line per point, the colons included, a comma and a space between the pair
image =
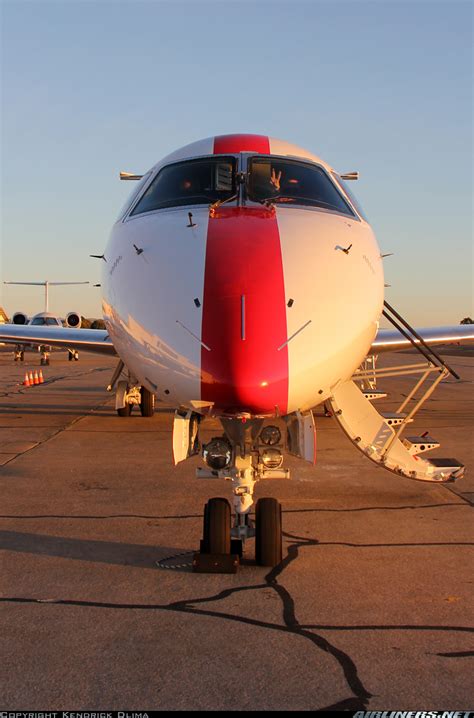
x: 249, y: 308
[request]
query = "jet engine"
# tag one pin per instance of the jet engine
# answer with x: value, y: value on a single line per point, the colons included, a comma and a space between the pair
x: 73, y: 320
x: 19, y: 318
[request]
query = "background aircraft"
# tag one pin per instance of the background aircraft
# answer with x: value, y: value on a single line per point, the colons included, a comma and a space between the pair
x: 243, y: 281
x: 46, y: 319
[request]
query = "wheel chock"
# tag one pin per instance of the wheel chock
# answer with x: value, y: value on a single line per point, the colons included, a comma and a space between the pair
x: 215, y: 562
x: 236, y: 547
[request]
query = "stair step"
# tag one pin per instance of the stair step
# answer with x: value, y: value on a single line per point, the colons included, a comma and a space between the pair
x: 418, y: 444
x: 447, y: 469
x: 372, y: 394
x: 393, y: 418
x: 370, y: 433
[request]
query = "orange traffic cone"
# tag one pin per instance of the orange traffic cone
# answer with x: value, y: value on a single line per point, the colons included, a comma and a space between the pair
x: 40, y: 377
x: 32, y: 379
x: 36, y: 378
x: 26, y: 381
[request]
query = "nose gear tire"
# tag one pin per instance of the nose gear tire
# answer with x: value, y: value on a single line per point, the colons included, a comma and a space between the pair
x: 268, y: 537
x: 217, y: 520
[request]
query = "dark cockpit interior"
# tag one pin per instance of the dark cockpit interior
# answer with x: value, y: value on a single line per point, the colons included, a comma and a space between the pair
x: 268, y: 180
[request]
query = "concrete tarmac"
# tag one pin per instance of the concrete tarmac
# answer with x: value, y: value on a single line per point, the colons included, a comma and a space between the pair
x: 371, y: 607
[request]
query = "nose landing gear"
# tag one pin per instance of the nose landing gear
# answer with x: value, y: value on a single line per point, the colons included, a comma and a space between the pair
x: 45, y: 352
x: 221, y: 550
x: 222, y: 542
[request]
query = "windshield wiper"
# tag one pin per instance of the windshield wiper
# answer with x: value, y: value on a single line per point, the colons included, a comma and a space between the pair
x: 219, y: 202
x: 268, y: 201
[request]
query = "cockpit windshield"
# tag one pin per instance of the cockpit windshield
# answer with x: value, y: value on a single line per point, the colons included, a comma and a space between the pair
x: 201, y: 181
x: 45, y: 321
x: 284, y: 181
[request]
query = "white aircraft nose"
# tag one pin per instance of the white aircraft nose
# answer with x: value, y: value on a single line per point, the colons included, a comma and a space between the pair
x: 203, y: 312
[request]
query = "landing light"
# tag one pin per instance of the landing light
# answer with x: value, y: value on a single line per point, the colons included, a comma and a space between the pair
x: 272, y: 458
x: 217, y: 453
x: 270, y: 435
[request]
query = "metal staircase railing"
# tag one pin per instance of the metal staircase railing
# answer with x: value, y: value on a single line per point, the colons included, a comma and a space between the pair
x: 412, y: 335
x: 378, y: 434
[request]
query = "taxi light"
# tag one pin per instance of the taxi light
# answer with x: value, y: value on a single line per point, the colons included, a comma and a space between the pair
x: 270, y: 435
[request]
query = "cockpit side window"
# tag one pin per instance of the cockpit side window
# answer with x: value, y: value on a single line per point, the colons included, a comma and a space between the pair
x: 291, y: 182
x: 200, y: 181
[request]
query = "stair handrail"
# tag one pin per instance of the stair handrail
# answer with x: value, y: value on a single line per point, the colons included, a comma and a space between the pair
x: 411, y: 414
x: 430, y: 352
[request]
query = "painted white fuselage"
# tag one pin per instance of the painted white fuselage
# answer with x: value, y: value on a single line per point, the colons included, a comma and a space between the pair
x: 165, y: 297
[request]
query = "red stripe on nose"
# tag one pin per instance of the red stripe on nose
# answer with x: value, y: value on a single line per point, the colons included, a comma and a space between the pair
x: 244, y: 371
x: 241, y: 143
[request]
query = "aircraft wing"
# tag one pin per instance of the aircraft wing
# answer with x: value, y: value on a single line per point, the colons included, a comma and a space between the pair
x: 392, y: 340
x: 91, y: 340
x: 98, y: 340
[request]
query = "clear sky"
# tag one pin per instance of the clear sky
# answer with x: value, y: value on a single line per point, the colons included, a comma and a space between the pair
x: 94, y: 87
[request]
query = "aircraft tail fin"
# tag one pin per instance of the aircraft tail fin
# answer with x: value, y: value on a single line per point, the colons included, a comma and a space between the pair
x: 46, y: 284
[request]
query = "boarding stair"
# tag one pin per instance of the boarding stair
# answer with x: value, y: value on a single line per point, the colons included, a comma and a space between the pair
x: 373, y: 394
x: 379, y: 435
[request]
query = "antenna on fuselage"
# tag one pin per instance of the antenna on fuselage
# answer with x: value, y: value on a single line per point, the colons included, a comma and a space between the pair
x: 350, y: 176
x: 130, y: 176
x: 46, y: 284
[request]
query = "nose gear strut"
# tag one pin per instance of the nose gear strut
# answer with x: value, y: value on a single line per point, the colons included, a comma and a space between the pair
x: 223, y: 539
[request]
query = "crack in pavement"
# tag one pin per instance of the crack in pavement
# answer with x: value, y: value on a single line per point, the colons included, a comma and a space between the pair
x: 457, y: 654
x: 459, y: 504
x: 199, y: 606
x: 19, y: 389
x: 361, y: 694
x: 59, y: 430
